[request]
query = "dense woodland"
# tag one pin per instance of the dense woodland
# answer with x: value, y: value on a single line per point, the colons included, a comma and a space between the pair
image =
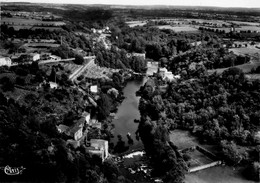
x: 219, y: 109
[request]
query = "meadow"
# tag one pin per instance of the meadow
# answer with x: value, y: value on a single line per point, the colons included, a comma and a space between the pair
x: 181, y: 28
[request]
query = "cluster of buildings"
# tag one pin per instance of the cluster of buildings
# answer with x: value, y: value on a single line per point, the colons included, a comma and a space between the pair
x: 78, y: 132
x: 26, y: 58
x: 167, y: 75
x: 105, y: 30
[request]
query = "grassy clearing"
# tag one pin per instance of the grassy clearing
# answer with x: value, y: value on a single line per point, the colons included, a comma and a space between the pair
x: 245, y: 67
x: 182, y: 28
x: 136, y: 23
x: 183, y: 139
x: 250, y: 50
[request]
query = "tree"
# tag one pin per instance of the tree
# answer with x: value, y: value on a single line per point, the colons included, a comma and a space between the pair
x: 252, y: 172
x: 78, y: 59
x: 104, y: 106
x: 110, y: 170
x: 7, y: 84
x: 230, y: 152
x: 20, y: 81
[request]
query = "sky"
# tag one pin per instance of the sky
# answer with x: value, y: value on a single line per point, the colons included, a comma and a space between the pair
x: 219, y: 3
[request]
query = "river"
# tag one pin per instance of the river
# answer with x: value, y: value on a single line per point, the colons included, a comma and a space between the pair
x: 128, y: 110
x: 127, y: 113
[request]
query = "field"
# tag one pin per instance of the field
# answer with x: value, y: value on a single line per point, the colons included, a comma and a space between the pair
x: 245, y: 23
x: 182, y: 28
x: 136, y: 23
x: 250, y: 50
x: 242, y: 28
x: 18, y: 27
x: 47, y: 28
x: 23, y: 21
x: 183, y: 139
x: 253, y: 76
x: 245, y: 67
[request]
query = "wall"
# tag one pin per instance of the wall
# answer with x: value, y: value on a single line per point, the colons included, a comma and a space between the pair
x: 195, y: 169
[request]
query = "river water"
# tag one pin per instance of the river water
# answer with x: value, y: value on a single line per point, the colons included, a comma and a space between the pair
x: 127, y: 113
x: 128, y: 110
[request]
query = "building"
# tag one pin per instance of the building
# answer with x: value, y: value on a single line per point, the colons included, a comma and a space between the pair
x: 54, y: 57
x: 167, y: 75
x: 197, y: 43
x: 140, y: 55
x: 53, y: 85
x: 94, y: 89
x: 34, y: 56
x: 62, y: 128
x: 97, y: 125
x: 86, y: 117
x: 45, y: 56
x: 98, y: 147
x: 76, y: 132
x: 5, y: 61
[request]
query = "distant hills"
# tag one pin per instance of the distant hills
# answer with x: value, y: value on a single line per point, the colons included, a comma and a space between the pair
x: 148, y: 7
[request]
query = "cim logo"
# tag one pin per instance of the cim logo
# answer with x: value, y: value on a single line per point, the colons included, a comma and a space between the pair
x: 13, y: 170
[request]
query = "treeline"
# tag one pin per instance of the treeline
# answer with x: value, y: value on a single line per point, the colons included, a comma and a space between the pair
x: 119, y: 59
x: 195, y: 62
x: 154, y: 42
x: 165, y: 159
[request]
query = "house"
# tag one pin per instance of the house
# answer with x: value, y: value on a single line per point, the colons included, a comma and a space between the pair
x: 53, y: 85
x: 94, y: 89
x: 197, y: 43
x: 76, y: 132
x: 5, y: 61
x: 97, y: 125
x: 45, y: 56
x: 34, y: 56
x: 86, y: 117
x: 98, y: 147
x: 93, y: 121
x: 162, y: 71
x: 62, y: 128
x: 54, y: 57
x: 167, y: 75
x: 141, y: 55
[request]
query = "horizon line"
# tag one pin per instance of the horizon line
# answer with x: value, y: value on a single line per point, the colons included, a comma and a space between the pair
x: 134, y: 5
